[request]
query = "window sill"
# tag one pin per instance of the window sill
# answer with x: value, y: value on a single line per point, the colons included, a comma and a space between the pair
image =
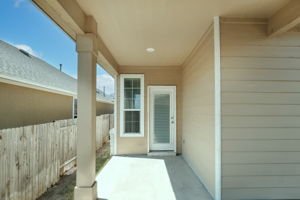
x: 132, y: 135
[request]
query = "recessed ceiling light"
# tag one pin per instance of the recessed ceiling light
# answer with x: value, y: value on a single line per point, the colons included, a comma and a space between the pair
x: 150, y: 50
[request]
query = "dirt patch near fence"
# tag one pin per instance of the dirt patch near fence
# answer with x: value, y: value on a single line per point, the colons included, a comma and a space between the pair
x: 64, y: 189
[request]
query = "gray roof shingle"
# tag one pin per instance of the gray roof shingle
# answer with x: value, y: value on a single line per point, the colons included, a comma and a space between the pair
x: 15, y: 65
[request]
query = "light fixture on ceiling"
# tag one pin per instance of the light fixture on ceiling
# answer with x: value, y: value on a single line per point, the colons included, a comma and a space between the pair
x: 150, y: 50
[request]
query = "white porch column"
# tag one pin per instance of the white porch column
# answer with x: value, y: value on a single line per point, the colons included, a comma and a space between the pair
x: 86, y: 151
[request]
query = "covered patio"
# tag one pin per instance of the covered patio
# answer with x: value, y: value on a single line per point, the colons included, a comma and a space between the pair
x: 185, y: 72
x: 151, y: 177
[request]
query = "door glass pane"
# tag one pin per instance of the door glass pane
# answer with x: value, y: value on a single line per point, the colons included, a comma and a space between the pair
x: 161, y: 118
x: 132, y: 122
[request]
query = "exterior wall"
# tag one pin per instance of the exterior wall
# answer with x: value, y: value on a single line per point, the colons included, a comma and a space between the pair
x: 152, y: 76
x: 198, y: 121
x: 104, y: 108
x: 260, y: 113
x: 20, y: 106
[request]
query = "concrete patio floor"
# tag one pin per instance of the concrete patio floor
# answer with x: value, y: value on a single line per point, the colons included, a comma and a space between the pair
x: 149, y: 178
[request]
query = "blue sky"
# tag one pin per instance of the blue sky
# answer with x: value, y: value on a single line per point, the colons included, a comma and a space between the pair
x: 25, y: 26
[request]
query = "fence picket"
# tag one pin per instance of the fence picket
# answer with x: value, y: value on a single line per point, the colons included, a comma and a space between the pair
x: 2, y: 165
x: 31, y: 157
x: 27, y: 137
x: 35, y: 162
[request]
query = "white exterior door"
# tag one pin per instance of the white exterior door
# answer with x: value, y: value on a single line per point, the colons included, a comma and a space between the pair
x: 162, y: 118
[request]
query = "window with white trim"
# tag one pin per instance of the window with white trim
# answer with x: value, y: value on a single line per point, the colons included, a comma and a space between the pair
x: 132, y: 105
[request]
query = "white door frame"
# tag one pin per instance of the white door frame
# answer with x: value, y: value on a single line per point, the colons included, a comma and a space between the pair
x: 174, y: 137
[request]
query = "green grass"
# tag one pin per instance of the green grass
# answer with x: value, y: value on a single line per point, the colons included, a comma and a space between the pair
x: 68, y: 192
x: 101, y: 161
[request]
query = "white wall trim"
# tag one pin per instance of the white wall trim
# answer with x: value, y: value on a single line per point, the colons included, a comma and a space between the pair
x: 115, y: 116
x: 175, y: 118
x: 217, y: 62
x: 33, y: 85
x: 148, y: 121
x: 122, y: 77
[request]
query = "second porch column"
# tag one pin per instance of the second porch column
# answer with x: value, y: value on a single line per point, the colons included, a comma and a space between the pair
x: 86, y: 187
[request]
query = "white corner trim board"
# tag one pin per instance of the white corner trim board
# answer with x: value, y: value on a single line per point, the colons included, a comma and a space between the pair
x: 115, y: 116
x: 217, y: 57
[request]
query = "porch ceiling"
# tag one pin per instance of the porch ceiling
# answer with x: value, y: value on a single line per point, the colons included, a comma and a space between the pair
x: 172, y: 27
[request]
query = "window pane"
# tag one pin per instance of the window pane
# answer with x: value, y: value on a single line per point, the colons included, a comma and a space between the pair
x: 128, y: 93
x: 136, y: 83
x: 128, y: 116
x: 135, y: 127
x: 128, y: 83
x: 132, y: 93
x: 128, y: 104
x: 136, y: 98
x: 132, y: 121
x: 128, y: 127
x: 135, y: 116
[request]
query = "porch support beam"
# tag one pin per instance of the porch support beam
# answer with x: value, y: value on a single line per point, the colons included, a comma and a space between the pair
x: 285, y: 19
x: 73, y: 20
x: 86, y: 187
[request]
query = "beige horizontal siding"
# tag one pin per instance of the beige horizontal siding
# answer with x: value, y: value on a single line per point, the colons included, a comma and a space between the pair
x: 261, y: 181
x: 236, y: 62
x: 260, y: 145
x: 259, y: 157
x: 261, y: 51
x: 260, y: 74
x: 269, y: 133
x: 260, y: 113
x: 261, y: 110
x: 261, y: 86
x: 261, y: 193
x: 260, y: 98
x: 198, y: 112
x: 261, y: 170
x: 260, y: 121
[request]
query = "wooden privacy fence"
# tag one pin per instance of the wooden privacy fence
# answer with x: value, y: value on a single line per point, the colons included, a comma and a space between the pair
x: 32, y: 158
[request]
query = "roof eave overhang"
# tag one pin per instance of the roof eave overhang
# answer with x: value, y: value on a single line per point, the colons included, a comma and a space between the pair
x: 69, y: 16
x: 33, y: 85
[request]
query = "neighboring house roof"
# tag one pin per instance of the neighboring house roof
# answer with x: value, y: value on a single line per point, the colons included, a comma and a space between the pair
x: 20, y: 66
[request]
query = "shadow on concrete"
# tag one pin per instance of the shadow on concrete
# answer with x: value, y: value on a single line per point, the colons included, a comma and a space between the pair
x: 152, y: 174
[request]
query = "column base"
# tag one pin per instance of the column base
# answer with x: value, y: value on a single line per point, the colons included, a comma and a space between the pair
x: 86, y: 193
